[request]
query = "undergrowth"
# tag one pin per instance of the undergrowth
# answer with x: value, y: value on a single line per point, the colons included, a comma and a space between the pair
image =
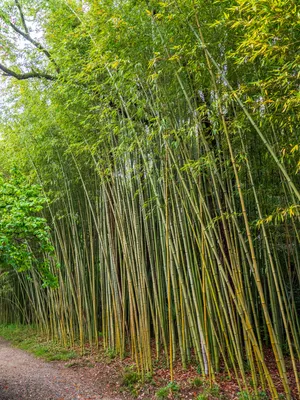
x: 28, y: 338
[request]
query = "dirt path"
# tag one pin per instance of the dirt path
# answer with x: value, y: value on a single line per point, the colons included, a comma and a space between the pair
x: 24, y: 377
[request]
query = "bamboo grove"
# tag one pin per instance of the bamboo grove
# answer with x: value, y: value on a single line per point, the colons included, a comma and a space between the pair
x: 164, y: 136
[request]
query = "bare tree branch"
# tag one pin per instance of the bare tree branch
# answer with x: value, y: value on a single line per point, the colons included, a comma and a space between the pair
x: 26, y: 35
x: 26, y: 75
x: 22, y: 17
x: 35, y: 43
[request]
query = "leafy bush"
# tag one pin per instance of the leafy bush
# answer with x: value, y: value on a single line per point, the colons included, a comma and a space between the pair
x: 163, y: 393
x: 24, y: 234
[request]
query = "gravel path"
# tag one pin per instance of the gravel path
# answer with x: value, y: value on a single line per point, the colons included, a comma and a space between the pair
x: 24, y: 377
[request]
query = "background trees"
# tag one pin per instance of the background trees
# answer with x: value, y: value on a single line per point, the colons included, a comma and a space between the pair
x: 26, y: 252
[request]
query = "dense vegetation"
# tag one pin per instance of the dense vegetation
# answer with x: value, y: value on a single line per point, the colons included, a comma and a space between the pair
x: 162, y: 138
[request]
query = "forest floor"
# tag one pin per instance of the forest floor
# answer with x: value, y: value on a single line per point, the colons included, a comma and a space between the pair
x: 66, y: 375
x: 24, y: 377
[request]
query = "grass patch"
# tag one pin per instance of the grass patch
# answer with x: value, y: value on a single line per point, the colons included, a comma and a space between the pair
x: 164, y: 392
x: 131, y: 380
x: 210, y: 392
x: 250, y: 396
x: 27, y: 338
x: 111, y: 353
x: 197, y: 382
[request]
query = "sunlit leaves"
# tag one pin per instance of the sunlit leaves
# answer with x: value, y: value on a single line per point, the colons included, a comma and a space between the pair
x: 24, y: 235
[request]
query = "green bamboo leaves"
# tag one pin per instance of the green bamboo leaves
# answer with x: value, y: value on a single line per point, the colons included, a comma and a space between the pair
x: 174, y: 202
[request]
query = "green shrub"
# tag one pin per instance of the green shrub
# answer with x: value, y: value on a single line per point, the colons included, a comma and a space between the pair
x: 111, y: 353
x: 131, y: 378
x: 243, y: 395
x: 197, y: 382
x: 163, y: 393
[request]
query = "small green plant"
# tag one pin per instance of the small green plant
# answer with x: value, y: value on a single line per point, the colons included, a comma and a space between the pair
x: 197, y: 382
x: 111, y: 353
x: 214, y: 390
x: 148, y: 378
x: 199, y: 369
x: 163, y: 393
x: 202, y: 396
x: 243, y: 395
x: 131, y: 380
x: 262, y: 395
x: 173, y: 387
x: 225, y: 378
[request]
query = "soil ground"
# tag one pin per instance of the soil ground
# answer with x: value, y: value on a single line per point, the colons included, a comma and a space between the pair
x: 24, y: 377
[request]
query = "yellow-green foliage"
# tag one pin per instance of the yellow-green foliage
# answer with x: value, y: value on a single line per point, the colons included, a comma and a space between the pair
x: 166, y: 137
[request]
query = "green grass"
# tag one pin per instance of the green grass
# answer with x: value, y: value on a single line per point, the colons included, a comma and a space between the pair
x: 162, y: 393
x: 111, y: 353
x: 197, y: 382
x: 29, y: 339
x: 249, y: 396
x: 210, y: 391
x: 132, y: 380
x: 171, y: 388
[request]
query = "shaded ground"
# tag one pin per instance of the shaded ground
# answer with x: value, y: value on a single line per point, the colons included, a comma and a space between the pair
x: 24, y: 377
